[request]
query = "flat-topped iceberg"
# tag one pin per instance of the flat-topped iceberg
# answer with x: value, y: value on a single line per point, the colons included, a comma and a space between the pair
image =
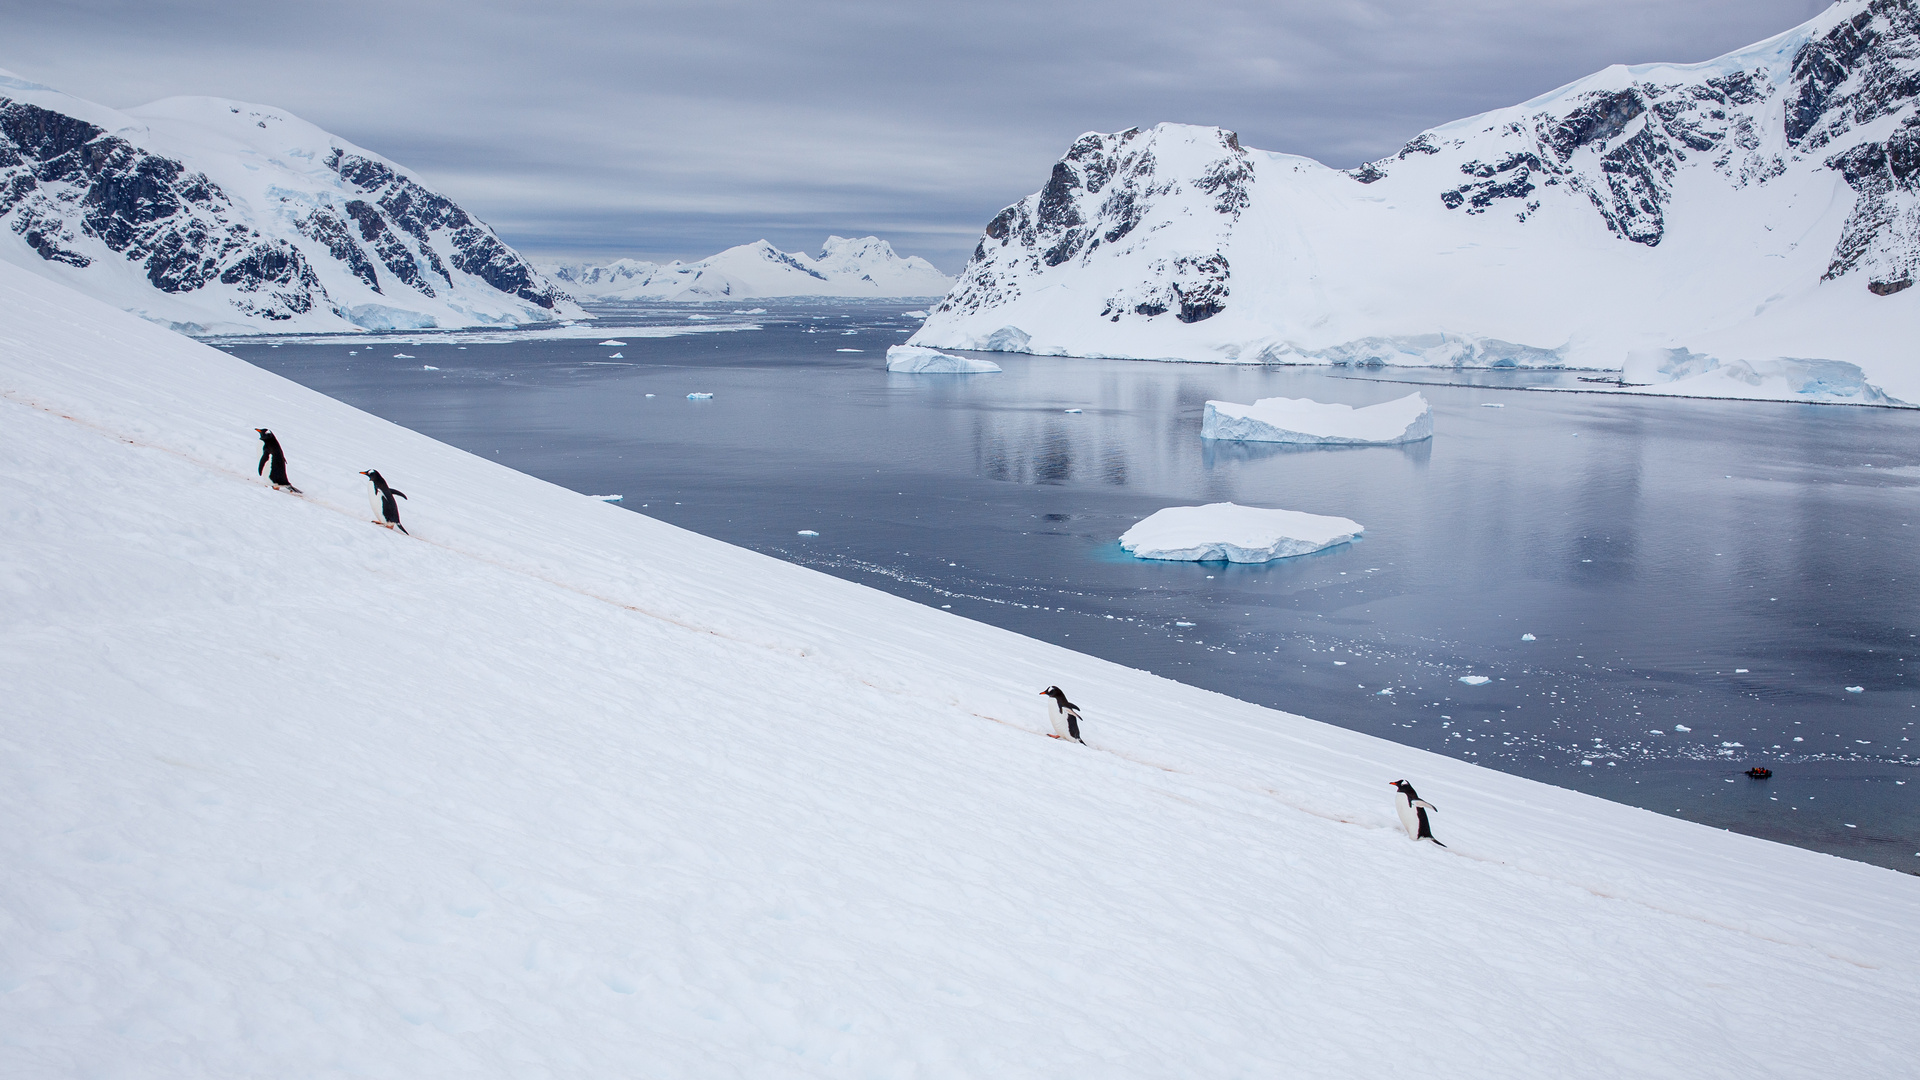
x: 915, y: 360
x: 1226, y: 532
x: 1303, y: 420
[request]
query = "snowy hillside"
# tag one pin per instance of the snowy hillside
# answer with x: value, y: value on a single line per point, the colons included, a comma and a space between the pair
x: 1750, y: 224
x: 863, y: 267
x: 215, y: 216
x: 549, y: 787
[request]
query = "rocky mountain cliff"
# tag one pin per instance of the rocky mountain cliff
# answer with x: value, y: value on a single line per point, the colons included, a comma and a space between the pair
x: 866, y: 266
x: 1757, y: 215
x: 213, y: 215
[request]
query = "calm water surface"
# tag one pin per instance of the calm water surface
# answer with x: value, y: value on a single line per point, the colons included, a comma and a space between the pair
x: 1703, y: 580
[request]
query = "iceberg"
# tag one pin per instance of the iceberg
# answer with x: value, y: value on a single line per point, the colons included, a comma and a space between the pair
x: 914, y: 360
x: 1303, y: 420
x: 1227, y: 532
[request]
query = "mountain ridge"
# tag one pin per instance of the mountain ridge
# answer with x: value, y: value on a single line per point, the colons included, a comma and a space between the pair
x: 211, y: 215
x: 866, y: 266
x: 1736, y: 220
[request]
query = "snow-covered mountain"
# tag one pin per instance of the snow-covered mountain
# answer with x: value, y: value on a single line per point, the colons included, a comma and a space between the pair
x: 210, y: 215
x: 550, y: 787
x: 1750, y: 224
x: 862, y: 267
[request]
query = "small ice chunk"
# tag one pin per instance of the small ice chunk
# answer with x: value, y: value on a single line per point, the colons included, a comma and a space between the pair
x: 1388, y: 692
x: 1528, y: 637
x: 1856, y: 689
x: 750, y: 311
x: 1739, y: 671
x: 849, y: 350
x: 1339, y: 663
x: 699, y: 396
x: 915, y: 360
x: 609, y: 498
x: 1586, y: 761
x: 1475, y: 680
x: 1071, y: 411
x: 1681, y: 727
x: 1183, y: 624
x: 914, y: 314
x: 612, y: 344
x: 649, y: 395
x: 402, y: 356
x: 428, y: 367
x: 1303, y: 420
x: 1732, y: 745
x: 1242, y: 534
x: 618, y: 356
x: 699, y: 318
x: 1656, y: 731
x: 808, y: 532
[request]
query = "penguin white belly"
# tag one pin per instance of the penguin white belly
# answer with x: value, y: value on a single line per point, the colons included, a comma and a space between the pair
x: 1409, y: 817
x: 373, y: 500
x: 1059, y: 718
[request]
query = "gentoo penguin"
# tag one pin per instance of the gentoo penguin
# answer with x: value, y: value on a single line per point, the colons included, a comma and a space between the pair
x: 1413, y: 812
x: 270, y: 453
x: 382, y: 498
x: 1064, y: 714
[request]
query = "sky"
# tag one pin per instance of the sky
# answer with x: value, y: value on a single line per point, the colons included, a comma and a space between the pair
x: 596, y: 129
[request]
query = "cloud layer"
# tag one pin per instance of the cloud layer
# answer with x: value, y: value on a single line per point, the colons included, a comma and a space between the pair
x: 657, y: 130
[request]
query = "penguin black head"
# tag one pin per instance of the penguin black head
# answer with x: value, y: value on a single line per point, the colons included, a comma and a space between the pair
x: 1404, y: 788
x: 1057, y: 695
x: 263, y: 432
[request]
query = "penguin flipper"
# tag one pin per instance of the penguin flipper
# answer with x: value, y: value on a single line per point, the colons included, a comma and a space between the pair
x: 400, y: 494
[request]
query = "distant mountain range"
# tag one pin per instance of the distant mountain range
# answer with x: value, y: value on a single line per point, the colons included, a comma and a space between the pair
x: 863, y: 267
x: 1747, y: 226
x: 210, y: 215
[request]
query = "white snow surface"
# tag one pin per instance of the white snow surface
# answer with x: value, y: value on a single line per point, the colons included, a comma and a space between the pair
x: 914, y: 360
x: 276, y: 186
x: 1229, y: 532
x: 1675, y: 208
x: 866, y: 266
x: 553, y: 788
x: 1303, y: 420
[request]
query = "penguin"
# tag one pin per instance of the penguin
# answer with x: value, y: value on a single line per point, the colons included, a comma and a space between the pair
x: 270, y: 452
x: 1064, y: 714
x: 1413, y: 812
x: 382, y: 498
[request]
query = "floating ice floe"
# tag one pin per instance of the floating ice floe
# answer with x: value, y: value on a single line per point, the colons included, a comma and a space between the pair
x: 396, y: 356
x: 1231, y: 533
x: 914, y: 314
x: 1071, y: 412
x: 698, y: 396
x: 428, y: 367
x: 1475, y: 680
x: 849, y: 350
x: 1856, y: 689
x: 808, y: 532
x: 649, y: 395
x: 1303, y: 420
x: 1681, y: 727
x: 618, y: 356
x: 914, y: 360
x: 1528, y: 637
x: 1183, y: 624
x: 699, y: 318
x: 608, y: 498
x: 610, y: 343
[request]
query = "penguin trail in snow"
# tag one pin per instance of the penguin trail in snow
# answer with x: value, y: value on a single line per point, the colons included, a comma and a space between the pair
x: 382, y: 498
x: 1064, y: 714
x: 1413, y: 812
x: 272, y: 455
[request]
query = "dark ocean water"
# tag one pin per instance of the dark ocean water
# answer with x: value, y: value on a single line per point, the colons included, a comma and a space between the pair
x: 1703, y: 579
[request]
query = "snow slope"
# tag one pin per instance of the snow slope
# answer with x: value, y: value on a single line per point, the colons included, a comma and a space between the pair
x: 1759, y: 212
x: 216, y: 216
x: 551, y: 788
x: 863, y: 267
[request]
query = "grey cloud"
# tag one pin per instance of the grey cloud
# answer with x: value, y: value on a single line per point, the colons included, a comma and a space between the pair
x: 671, y: 130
